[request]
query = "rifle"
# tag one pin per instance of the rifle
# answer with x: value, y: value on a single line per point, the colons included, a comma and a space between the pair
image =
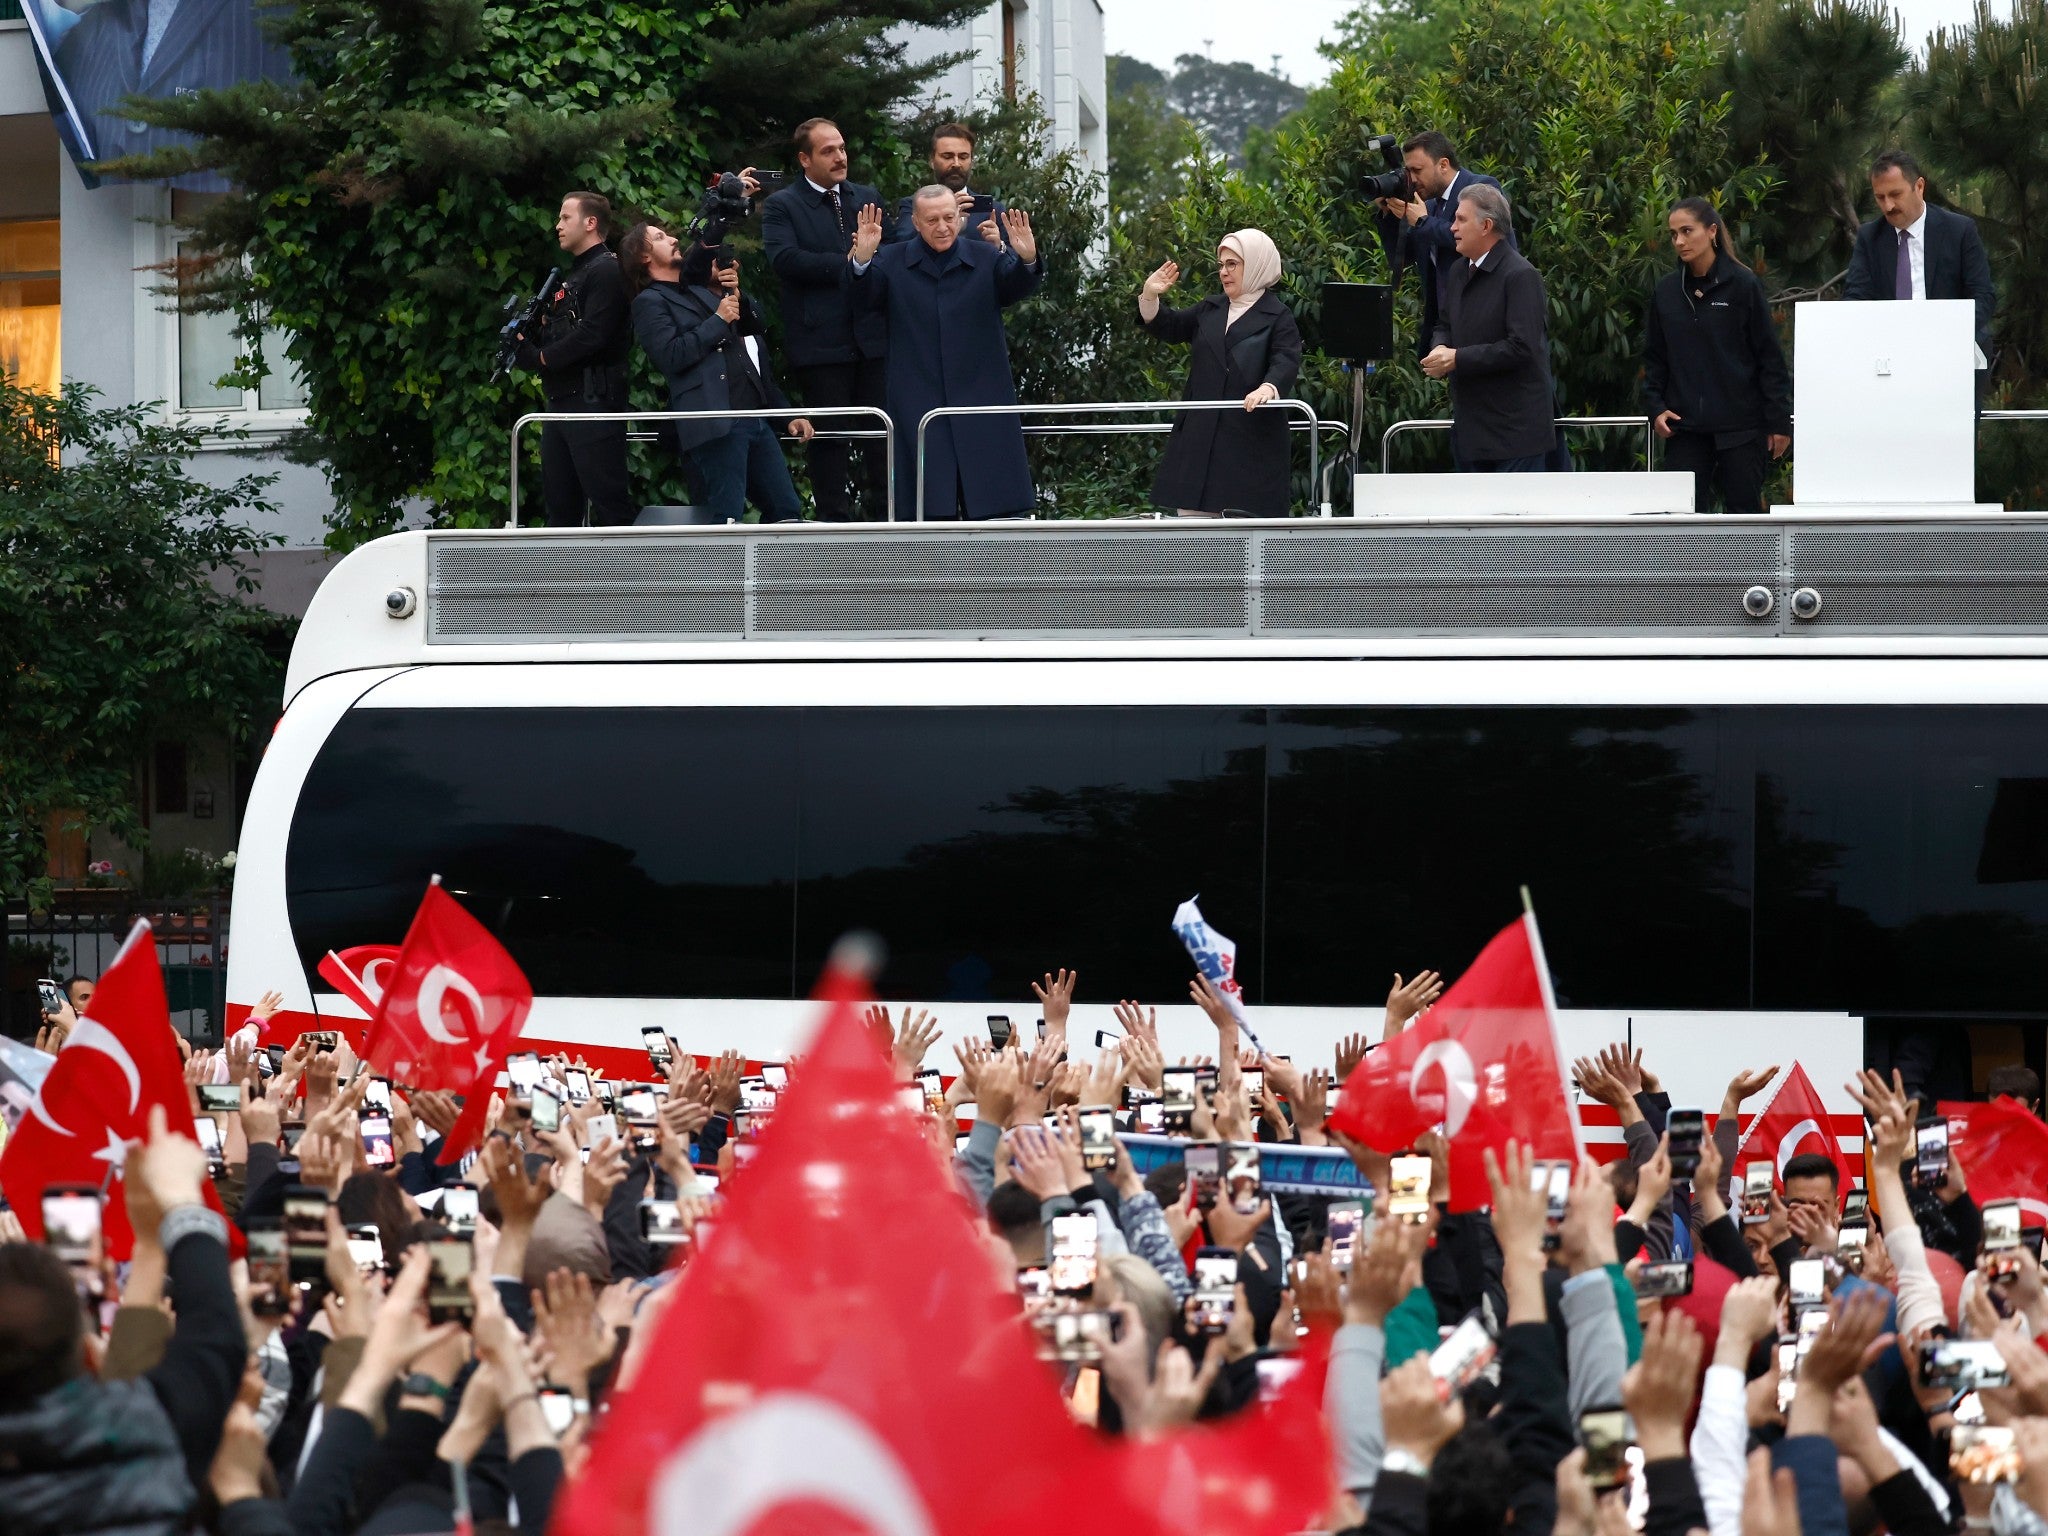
x: 521, y: 315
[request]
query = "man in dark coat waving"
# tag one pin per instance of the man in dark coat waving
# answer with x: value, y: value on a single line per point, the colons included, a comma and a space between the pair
x: 944, y: 298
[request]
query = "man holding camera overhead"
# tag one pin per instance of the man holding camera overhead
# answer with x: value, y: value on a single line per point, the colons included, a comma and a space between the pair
x: 836, y: 357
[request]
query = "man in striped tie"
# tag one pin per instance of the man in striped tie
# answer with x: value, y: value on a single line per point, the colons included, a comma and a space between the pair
x: 835, y: 357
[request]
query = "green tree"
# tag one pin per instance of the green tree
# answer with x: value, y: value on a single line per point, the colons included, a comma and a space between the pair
x: 408, y: 179
x: 1228, y: 100
x: 121, y: 576
x: 1812, y: 87
x: 1596, y: 119
x: 1149, y: 143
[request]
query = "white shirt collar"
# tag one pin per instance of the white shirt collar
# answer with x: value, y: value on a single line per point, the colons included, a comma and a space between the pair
x: 1918, y: 228
x: 821, y: 191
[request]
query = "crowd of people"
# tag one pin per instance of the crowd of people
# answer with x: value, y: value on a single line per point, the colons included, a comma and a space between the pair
x: 902, y: 312
x: 409, y: 1345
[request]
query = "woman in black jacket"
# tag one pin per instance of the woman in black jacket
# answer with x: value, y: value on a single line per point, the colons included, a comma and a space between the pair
x: 1246, y: 347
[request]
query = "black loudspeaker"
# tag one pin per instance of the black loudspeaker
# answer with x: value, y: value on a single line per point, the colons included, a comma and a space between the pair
x: 1358, y: 321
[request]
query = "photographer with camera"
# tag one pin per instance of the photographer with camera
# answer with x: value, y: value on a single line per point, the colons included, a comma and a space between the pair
x: 1415, y: 225
x: 838, y: 357
x: 579, y: 351
x: 708, y: 340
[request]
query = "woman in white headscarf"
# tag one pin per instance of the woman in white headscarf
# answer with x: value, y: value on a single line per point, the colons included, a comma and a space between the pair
x: 1246, y: 347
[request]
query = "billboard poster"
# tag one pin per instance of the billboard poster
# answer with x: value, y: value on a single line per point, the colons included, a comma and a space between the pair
x: 95, y: 53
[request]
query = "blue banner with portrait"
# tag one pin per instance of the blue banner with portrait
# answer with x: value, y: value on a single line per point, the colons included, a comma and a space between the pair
x: 95, y: 53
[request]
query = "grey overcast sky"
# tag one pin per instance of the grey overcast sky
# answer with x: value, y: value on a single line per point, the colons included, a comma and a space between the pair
x: 1158, y: 31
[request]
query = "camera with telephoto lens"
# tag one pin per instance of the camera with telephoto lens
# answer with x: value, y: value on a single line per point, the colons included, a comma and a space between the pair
x: 1393, y: 180
x: 727, y: 203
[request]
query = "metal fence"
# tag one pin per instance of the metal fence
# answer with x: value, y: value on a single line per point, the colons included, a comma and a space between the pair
x: 81, y: 933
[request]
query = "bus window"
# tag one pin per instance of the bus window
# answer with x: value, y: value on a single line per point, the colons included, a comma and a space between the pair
x: 1400, y: 836
x: 1902, y: 858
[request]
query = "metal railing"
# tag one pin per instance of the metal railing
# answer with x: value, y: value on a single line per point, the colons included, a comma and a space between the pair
x: 887, y: 431
x: 1443, y: 424
x: 1314, y: 425
x: 1419, y: 424
x: 83, y: 929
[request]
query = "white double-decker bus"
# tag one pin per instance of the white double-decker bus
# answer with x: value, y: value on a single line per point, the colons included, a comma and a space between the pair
x: 668, y: 769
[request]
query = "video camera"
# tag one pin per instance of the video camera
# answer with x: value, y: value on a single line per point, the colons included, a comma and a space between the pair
x: 1392, y: 181
x: 726, y: 203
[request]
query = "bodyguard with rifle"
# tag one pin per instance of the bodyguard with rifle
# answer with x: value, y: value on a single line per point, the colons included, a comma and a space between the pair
x: 579, y: 346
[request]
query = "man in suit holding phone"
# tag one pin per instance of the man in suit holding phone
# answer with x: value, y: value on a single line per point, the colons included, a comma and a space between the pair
x: 1915, y: 250
x: 952, y: 165
x: 836, y: 357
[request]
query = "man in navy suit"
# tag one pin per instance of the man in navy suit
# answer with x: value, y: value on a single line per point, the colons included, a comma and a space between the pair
x: 1918, y: 251
x: 159, y: 48
x: 836, y: 357
x: 1416, y: 231
x: 942, y: 296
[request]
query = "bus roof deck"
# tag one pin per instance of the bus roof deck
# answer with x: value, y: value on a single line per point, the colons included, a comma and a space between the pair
x: 1786, y: 580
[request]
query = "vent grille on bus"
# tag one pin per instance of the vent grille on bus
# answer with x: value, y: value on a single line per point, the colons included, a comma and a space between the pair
x: 1924, y: 577
x: 1552, y: 580
x: 990, y: 582
x: 508, y: 591
x: 1642, y: 577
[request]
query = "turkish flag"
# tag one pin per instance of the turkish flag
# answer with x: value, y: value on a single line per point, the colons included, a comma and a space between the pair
x: 120, y: 1061
x: 1484, y: 1063
x: 1795, y: 1122
x: 450, y: 1013
x: 2004, y: 1153
x: 843, y: 1356
x: 358, y: 974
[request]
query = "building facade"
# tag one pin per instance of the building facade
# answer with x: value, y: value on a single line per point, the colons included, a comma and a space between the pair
x: 1050, y: 48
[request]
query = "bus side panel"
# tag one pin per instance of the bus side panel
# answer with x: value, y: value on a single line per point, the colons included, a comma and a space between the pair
x: 261, y: 955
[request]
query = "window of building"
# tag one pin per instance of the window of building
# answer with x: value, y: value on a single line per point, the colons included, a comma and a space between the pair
x: 29, y: 304
x: 169, y: 778
x: 208, y: 349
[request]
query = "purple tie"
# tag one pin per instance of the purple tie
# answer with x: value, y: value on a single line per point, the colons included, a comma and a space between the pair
x: 1902, y: 285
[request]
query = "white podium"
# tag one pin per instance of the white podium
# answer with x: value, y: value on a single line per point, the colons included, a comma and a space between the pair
x: 1886, y: 400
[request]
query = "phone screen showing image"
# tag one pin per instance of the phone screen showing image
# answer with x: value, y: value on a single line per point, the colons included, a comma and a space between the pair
x: 1098, y: 1136
x: 377, y: 1149
x: 1671, y: 1277
x: 578, y: 1083
x: 1346, y: 1218
x: 1930, y: 1150
x: 1757, y: 1179
x: 1204, y: 1163
x: 658, y: 1049
x: 1177, y: 1098
x: 1459, y: 1360
x: 458, y: 1208
x: 1073, y: 1255
x: 448, y: 1298
x: 220, y: 1098
x: 1687, y: 1129
x: 1241, y: 1177
x: 71, y: 1224
x: 1605, y: 1434
x: 1408, y: 1189
x: 547, y: 1111
x: 1214, y: 1302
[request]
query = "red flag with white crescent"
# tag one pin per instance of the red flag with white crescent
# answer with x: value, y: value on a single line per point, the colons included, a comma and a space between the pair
x: 844, y: 1356
x: 1484, y: 1062
x: 120, y: 1061
x: 1795, y: 1121
x: 2004, y: 1152
x: 450, y: 1013
x: 358, y: 974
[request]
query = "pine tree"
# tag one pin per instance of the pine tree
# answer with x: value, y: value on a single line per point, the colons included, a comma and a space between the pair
x: 406, y: 182
x: 1810, y: 88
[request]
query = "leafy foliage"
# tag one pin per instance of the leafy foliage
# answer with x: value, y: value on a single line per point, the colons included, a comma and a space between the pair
x: 1595, y: 118
x: 1150, y: 144
x: 121, y: 577
x: 407, y: 182
x: 1227, y: 100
